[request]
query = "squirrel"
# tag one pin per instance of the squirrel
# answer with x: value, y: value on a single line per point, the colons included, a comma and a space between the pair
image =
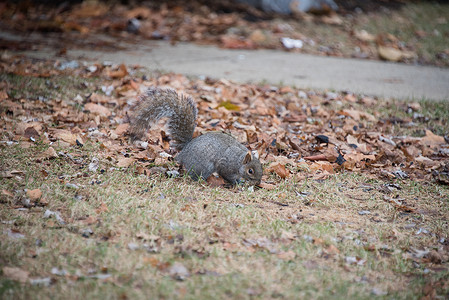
x: 200, y: 156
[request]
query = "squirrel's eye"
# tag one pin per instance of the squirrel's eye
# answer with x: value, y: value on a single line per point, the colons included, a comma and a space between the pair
x: 250, y: 171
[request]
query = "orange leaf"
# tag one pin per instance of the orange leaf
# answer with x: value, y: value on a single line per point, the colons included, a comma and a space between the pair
x: 280, y: 170
x: 102, y: 208
x: 34, y: 194
x: 267, y: 186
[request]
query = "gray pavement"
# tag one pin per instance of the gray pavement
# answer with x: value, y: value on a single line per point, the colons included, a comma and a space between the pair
x: 376, y: 78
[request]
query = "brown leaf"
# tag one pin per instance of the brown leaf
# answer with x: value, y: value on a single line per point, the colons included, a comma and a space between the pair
x: 102, y: 208
x: 146, y: 237
x: 332, y: 19
x: 121, y: 129
x: 415, y: 106
x: 432, y: 139
x: 318, y: 241
x: 124, y: 162
x: 90, y: 220
x: 153, y: 261
x: 279, y: 169
x: 43, y: 202
x: 232, y: 42
x: 28, y: 129
x: 389, y: 53
x: 140, y: 12
x: 322, y: 166
x: 358, y: 115
x: 48, y: 154
x: 287, y: 255
x: 397, y: 203
x: 3, y: 95
x: 67, y: 136
x: 251, y: 136
x: 16, y: 274
x: 7, y: 194
x: 97, y: 109
x: 364, y: 36
x: 215, y: 181
x: 257, y: 36
x: 34, y: 194
x: 120, y: 73
x: 11, y: 174
x: 267, y: 186
x: 356, y: 157
x: 427, y: 162
x: 332, y: 250
x: 316, y: 157
x: 31, y: 132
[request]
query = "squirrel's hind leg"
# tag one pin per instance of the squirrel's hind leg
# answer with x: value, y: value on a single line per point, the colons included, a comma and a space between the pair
x: 195, y: 175
x: 199, y: 171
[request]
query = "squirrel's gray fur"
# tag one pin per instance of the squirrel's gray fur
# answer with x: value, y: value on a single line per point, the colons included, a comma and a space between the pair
x: 208, y: 153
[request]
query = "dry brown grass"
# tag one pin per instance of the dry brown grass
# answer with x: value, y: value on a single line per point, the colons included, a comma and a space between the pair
x: 302, y: 239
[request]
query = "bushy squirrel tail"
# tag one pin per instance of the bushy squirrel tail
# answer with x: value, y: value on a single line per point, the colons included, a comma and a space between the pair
x: 158, y: 103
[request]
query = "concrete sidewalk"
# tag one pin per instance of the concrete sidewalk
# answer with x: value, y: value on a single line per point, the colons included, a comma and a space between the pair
x: 304, y: 71
x: 277, y: 67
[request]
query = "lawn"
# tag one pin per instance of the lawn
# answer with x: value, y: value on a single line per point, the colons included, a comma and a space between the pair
x: 87, y: 214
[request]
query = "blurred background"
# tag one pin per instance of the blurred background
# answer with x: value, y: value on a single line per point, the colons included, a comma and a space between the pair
x: 412, y: 32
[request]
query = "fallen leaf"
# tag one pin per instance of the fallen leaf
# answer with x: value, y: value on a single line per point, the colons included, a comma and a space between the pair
x: 364, y: 36
x: 389, y: 53
x: 322, y: 166
x: 399, y: 205
x: 332, y: 250
x: 49, y: 153
x: 34, y: 195
x: 31, y: 132
x: 358, y: 115
x: 7, y: 193
x: 316, y: 157
x: 121, y: 129
x: 257, y: 36
x: 102, y: 208
x: 215, y: 181
x: 16, y: 274
x: 43, y: 202
x: 432, y: 139
x: 229, y: 106
x: 279, y: 169
x: 120, y: 73
x: 125, y: 162
x: 97, y: 109
x: 287, y: 255
x: 67, y: 136
x: 232, y: 42
x: 267, y: 186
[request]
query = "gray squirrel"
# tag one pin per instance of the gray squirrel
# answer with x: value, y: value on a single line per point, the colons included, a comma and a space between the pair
x: 200, y: 156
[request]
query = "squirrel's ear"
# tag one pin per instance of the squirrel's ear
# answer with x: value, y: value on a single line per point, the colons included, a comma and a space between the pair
x: 255, y: 154
x: 248, y: 158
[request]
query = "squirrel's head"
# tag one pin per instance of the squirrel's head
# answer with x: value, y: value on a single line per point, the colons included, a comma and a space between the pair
x: 251, y: 170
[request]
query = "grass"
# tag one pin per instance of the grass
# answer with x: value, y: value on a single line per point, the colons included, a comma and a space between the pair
x: 64, y: 87
x: 428, y: 17
x: 230, y: 240
x: 125, y: 235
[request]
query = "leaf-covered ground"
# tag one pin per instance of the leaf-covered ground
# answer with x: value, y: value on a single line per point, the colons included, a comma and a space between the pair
x: 353, y: 203
x: 407, y: 31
